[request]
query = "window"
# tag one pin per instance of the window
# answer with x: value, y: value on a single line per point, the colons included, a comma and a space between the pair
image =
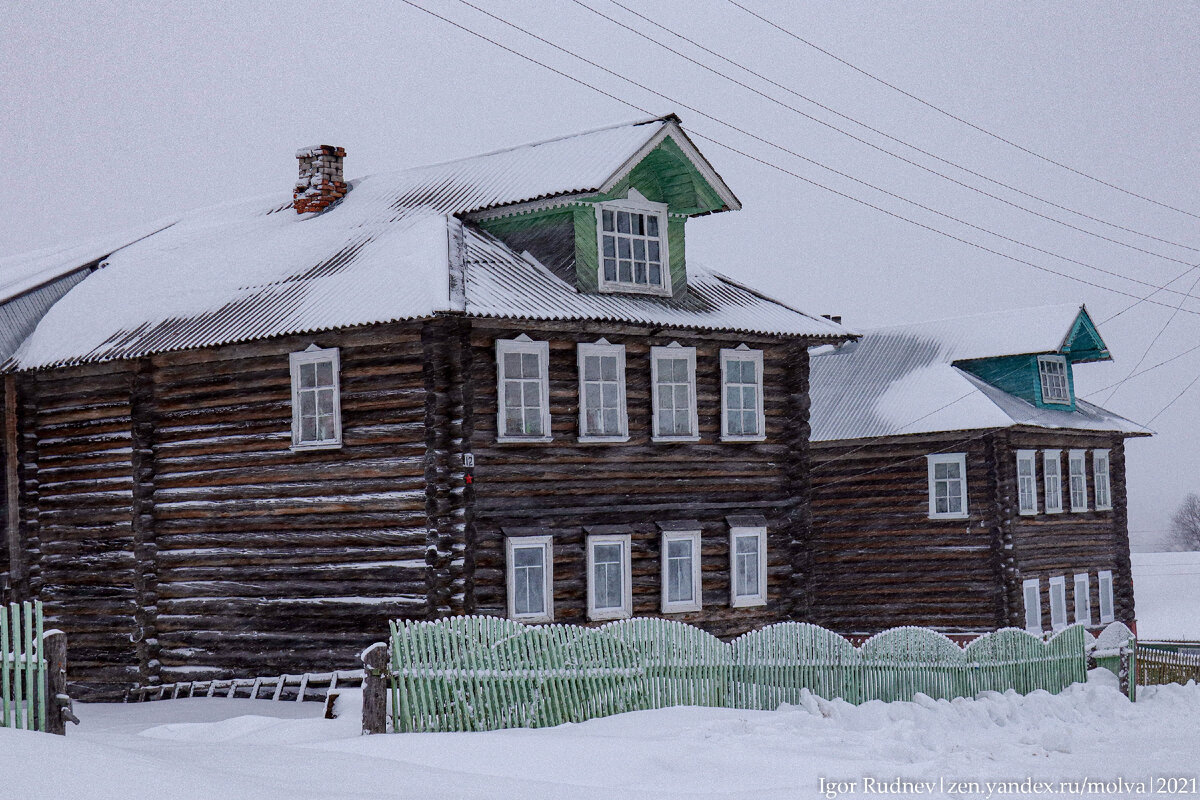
x: 1105, y: 580
x: 1053, y: 372
x: 1027, y: 481
x: 748, y: 566
x: 1033, y: 605
x: 1083, y: 598
x: 948, y: 486
x: 1103, y: 484
x: 316, y: 404
x: 673, y: 386
x: 1077, y: 461
x: 681, y: 571
x: 610, y: 594
x: 1058, y: 602
x: 530, y: 578
x: 742, y: 418
x: 523, y: 390
x: 602, y: 413
x: 633, y: 246
x: 1052, y: 472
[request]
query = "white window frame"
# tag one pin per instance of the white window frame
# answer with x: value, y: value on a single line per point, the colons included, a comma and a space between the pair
x: 1058, y: 602
x: 316, y: 355
x: 674, y: 351
x: 603, y: 349
x: 948, y: 458
x: 1052, y: 457
x: 637, y: 203
x: 745, y: 600
x: 523, y: 344
x: 1083, y: 599
x: 1102, y: 477
x: 697, y: 602
x: 1077, y: 458
x: 1066, y: 376
x: 1108, y: 612
x: 743, y: 353
x: 626, y: 609
x: 1033, y: 611
x: 546, y: 543
x: 1028, y: 457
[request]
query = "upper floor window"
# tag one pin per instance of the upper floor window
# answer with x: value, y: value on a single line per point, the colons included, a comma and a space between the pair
x: 1053, y: 372
x: 948, y: 485
x: 1052, y: 471
x: 1103, y: 487
x: 1077, y: 461
x: 1027, y: 481
x: 673, y: 386
x: 602, y: 413
x: 742, y: 417
x: 316, y: 405
x: 522, y: 390
x: 633, y: 246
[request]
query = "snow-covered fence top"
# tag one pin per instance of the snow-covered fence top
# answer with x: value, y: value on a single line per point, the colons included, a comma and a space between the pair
x: 483, y: 673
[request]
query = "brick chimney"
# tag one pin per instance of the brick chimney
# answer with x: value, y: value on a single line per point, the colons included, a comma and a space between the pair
x: 320, y: 182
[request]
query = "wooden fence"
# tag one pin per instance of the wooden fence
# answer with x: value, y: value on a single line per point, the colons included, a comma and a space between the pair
x: 313, y: 686
x: 23, y: 667
x: 1163, y: 663
x: 484, y: 673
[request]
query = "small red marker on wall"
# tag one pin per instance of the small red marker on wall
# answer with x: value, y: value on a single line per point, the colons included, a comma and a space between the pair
x: 470, y: 479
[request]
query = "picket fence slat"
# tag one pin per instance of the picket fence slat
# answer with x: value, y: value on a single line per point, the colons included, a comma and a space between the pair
x: 22, y: 667
x: 477, y: 673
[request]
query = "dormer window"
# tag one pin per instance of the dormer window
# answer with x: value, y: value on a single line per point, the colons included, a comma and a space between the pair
x: 1053, y: 372
x: 632, y: 235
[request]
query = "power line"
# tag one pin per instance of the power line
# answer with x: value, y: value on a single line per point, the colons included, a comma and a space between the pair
x: 959, y: 119
x: 1174, y: 400
x: 1150, y: 346
x: 1147, y: 369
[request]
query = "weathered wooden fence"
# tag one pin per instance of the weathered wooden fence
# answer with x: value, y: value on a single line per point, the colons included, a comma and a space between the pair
x: 1166, y: 663
x: 310, y: 686
x: 23, y: 667
x: 484, y: 673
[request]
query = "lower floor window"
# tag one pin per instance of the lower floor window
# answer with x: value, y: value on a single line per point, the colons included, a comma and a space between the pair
x: 748, y: 566
x: 530, y: 578
x: 1107, y: 612
x: 1032, y: 589
x: 1083, y: 598
x: 610, y: 595
x: 1058, y: 602
x: 681, y: 571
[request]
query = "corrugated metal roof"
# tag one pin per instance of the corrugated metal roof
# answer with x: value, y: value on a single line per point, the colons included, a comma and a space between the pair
x: 900, y: 380
x: 20, y: 315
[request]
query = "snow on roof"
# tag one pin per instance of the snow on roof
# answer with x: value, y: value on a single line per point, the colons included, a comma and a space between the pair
x: 901, y: 380
x: 252, y: 269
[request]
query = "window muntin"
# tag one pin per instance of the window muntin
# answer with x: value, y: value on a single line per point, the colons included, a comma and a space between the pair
x: 610, y: 594
x: 603, y: 416
x: 681, y: 590
x: 1083, y: 598
x: 742, y: 417
x: 948, y: 486
x: 1077, y: 464
x: 1052, y: 478
x: 673, y: 390
x: 316, y: 401
x: 530, y: 578
x: 748, y: 566
x: 523, y: 390
x: 1032, y: 590
x: 1027, y: 481
x: 1058, y: 602
x: 1105, y: 580
x: 632, y: 238
x: 1053, y: 373
x: 1103, y: 480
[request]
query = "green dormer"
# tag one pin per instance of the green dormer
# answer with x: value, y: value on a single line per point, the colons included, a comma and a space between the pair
x: 627, y: 236
x: 1045, y: 379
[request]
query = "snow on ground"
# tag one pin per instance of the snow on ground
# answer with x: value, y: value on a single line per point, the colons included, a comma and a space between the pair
x: 1166, y: 588
x: 206, y: 749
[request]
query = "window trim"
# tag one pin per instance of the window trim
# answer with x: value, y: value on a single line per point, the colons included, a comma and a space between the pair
x: 626, y: 610
x: 1077, y: 457
x: 1086, y: 606
x: 743, y: 353
x: 697, y: 601
x: 523, y: 344
x: 1107, y: 473
x: 1054, y: 457
x: 1058, y: 611
x: 948, y: 458
x: 1031, y: 457
x: 511, y: 543
x: 1036, y: 585
x: 673, y: 350
x: 747, y: 600
x: 634, y: 201
x: 314, y: 355
x: 1054, y: 359
x: 1104, y: 581
x: 602, y: 347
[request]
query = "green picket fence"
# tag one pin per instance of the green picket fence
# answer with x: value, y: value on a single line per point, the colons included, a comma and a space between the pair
x: 22, y: 667
x: 484, y: 673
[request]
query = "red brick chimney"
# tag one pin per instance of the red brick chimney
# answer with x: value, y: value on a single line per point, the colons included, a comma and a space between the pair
x: 320, y: 182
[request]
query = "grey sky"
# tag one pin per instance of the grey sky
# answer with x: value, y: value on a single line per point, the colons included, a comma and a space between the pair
x: 118, y: 113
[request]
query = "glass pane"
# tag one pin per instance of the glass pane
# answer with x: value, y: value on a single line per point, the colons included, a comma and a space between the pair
x: 622, y: 222
x: 610, y: 269
x: 939, y: 471
x: 591, y: 368
x: 681, y: 396
x: 748, y: 372
x: 683, y: 423
x: 749, y: 423
x: 610, y: 247
x: 666, y: 422
x: 325, y: 373
x: 611, y: 422
x: 308, y: 429
x: 733, y: 398
x: 750, y: 397
x: 529, y: 365
x: 607, y: 553
x: 308, y: 375
x: 308, y: 404
x: 608, y: 368
x: 655, y: 275
x: 639, y: 272
x: 325, y: 401
x: 734, y: 423
x: 533, y: 422
x: 625, y: 272
x: 623, y: 249
x: 528, y: 556
x: 325, y: 429
x: 651, y: 225
x: 608, y: 220
x: 512, y: 365
x: 609, y: 394
x: 512, y: 421
x: 512, y: 394
x: 591, y: 395
x: 639, y: 250
x: 652, y: 250
x: 533, y: 394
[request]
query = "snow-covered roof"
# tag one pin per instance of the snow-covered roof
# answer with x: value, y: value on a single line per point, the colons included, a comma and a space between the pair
x: 901, y: 379
x: 252, y: 269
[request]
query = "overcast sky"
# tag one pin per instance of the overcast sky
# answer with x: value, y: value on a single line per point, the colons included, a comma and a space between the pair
x: 113, y: 114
